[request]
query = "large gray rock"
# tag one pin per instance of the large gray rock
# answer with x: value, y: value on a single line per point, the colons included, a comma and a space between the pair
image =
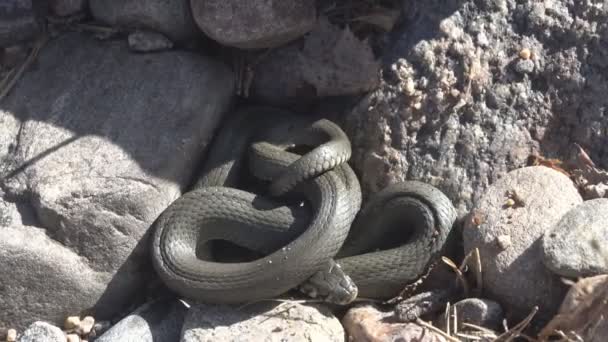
x: 18, y: 21
x: 510, y: 220
x: 42, y: 332
x: 453, y: 109
x: 172, y: 18
x: 577, y: 246
x: 265, y: 322
x: 101, y: 141
x: 256, y: 23
x: 160, y: 320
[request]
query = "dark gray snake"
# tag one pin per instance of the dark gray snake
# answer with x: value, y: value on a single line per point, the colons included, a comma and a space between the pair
x: 311, y: 246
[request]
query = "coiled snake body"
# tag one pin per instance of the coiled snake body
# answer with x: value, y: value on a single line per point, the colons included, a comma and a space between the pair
x: 298, y: 245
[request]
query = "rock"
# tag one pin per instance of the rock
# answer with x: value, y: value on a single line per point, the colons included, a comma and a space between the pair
x: 148, y: 41
x: 422, y: 304
x: 28, y: 255
x: 460, y: 129
x: 482, y: 312
x: 515, y: 275
x: 72, y: 338
x: 106, y: 140
x: 86, y: 326
x: 331, y: 61
x: 65, y: 8
x: 160, y: 320
x: 366, y: 323
x: 71, y: 323
x: 171, y: 18
x: 525, y: 66
x: 577, y: 245
x: 582, y: 315
x: 42, y: 332
x: 288, y: 321
x: 254, y: 24
x: 18, y: 21
x: 11, y: 335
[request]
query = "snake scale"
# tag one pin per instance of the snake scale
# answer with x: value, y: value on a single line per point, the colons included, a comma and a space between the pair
x: 305, y: 224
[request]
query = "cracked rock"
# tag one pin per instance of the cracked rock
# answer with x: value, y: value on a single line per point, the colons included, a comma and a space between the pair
x: 105, y: 141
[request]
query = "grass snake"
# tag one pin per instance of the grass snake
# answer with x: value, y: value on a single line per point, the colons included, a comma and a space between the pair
x: 304, y: 223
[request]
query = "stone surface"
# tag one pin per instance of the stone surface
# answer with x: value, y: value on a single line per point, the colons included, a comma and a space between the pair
x: 160, y: 320
x: 288, y: 321
x: 97, y: 141
x: 366, y: 323
x: 515, y: 276
x: 43, y: 279
x: 18, y: 21
x: 482, y: 312
x: 254, y: 24
x: 148, y: 41
x: 42, y: 332
x: 331, y: 61
x: 582, y: 315
x: 452, y: 108
x: 64, y: 8
x: 577, y: 246
x: 172, y: 18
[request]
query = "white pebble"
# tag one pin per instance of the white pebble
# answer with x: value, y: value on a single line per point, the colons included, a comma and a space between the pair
x: 11, y: 335
x: 71, y: 323
x: 86, y: 325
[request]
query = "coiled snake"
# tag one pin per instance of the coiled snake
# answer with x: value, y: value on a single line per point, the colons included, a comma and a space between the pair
x: 308, y: 246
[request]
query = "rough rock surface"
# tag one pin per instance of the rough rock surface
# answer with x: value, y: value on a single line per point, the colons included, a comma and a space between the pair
x: 42, y: 332
x: 43, y: 279
x: 330, y: 61
x: 367, y: 323
x: 482, y: 312
x: 261, y: 322
x: 172, y: 18
x: 18, y: 21
x: 454, y: 110
x: 256, y: 23
x: 97, y: 141
x: 577, y: 246
x: 509, y: 238
x: 155, y: 321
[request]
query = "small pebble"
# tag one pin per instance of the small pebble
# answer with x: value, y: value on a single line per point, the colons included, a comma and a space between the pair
x: 503, y: 241
x: 72, y: 338
x: 11, y: 335
x: 524, y: 66
x: 71, y: 323
x: 86, y: 325
x: 525, y: 53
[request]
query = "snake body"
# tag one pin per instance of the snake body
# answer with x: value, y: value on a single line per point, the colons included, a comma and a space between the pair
x: 296, y: 243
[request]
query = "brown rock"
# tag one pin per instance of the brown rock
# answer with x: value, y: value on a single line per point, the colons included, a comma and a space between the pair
x: 368, y: 324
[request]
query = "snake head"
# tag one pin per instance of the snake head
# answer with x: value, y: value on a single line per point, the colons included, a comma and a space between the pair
x: 331, y: 285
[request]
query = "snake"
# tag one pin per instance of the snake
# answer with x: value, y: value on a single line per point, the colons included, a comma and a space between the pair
x: 279, y: 185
